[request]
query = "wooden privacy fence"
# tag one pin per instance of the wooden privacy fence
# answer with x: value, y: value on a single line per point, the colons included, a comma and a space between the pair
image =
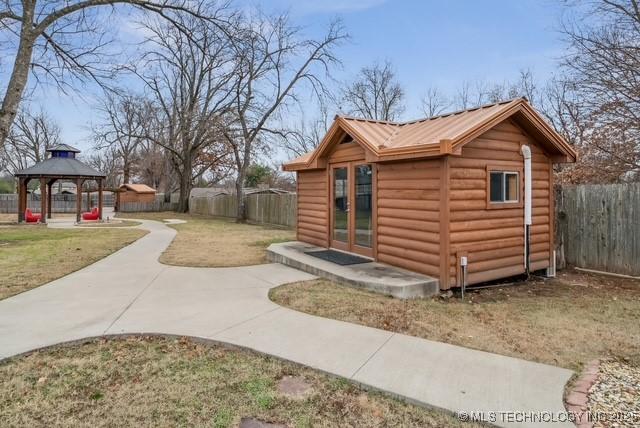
x: 272, y: 209
x: 60, y: 203
x: 157, y: 205
x: 599, y: 227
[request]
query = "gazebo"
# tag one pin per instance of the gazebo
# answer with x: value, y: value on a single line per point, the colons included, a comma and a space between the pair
x: 61, y: 165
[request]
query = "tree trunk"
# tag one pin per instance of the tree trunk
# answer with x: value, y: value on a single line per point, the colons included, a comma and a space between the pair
x: 185, y: 184
x: 168, y: 180
x: 241, y: 213
x: 19, y: 76
x: 126, y: 170
x: 185, y: 190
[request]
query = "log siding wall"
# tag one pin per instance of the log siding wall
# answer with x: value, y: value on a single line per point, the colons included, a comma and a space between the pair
x: 493, y: 239
x: 313, y: 207
x: 408, y: 207
x: 346, y: 152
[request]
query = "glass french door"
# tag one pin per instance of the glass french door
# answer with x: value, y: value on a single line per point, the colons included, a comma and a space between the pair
x: 352, y: 207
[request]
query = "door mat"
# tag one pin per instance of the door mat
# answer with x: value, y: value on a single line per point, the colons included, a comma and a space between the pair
x: 338, y: 257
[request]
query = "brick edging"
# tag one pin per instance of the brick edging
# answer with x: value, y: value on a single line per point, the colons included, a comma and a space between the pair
x: 577, y: 397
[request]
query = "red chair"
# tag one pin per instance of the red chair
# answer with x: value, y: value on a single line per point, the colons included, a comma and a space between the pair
x: 30, y: 217
x: 93, y: 215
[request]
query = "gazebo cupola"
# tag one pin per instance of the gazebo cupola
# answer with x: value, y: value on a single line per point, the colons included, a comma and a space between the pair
x: 63, y: 151
x: 60, y: 165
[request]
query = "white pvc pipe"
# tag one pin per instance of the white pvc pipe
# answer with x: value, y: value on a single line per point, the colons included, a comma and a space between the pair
x: 526, y: 153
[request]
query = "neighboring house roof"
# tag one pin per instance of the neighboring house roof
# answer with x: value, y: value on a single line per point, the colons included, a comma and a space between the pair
x: 138, y: 188
x: 60, y: 167
x: 255, y: 190
x: 204, y: 192
x: 209, y: 192
x: 436, y: 136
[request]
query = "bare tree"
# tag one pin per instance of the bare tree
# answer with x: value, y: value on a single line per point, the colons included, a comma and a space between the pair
x: 154, y: 167
x: 109, y: 162
x: 120, y: 128
x: 434, y: 102
x: 462, y: 98
x: 188, y: 81
x: 271, y: 61
x: 375, y: 94
x: 602, y: 70
x: 63, y: 38
x: 480, y: 92
x: 307, y: 133
x: 30, y: 136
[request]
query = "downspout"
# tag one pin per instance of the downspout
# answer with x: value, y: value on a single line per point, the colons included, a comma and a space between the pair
x: 526, y: 153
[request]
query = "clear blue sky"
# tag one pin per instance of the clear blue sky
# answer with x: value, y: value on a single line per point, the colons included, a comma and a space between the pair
x: 430, y: 43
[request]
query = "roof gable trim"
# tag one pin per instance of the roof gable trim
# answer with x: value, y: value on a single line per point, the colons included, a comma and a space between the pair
x: 443, y: 147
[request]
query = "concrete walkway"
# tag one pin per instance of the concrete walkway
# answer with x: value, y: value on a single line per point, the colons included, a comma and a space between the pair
x: 131, y: 292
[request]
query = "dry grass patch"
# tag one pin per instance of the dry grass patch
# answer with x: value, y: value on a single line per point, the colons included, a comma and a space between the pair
x: 32, y: 255
x: 172, y: 382
x: 566, y: 321
x: 215, y: 242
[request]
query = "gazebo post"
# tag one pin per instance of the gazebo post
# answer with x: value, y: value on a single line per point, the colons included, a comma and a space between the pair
x: 49, y: 186
x: 100, y: 198
x: 78, y: 199
x: 43, y: 200
x: 22, y: 198
x: 88, y: 199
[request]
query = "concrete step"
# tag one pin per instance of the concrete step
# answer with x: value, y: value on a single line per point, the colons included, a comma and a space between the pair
x: 377, y: 277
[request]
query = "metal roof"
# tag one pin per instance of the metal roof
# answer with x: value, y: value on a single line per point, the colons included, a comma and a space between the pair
x: 209, y: 192
x: 60, y: 167
x: 138, y: 188
x: 434, y: 136
x: 63, y: 148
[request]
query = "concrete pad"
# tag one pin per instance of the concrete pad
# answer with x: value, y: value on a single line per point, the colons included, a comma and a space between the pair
x: 277, y: 274
x: 465, y: 380
x: 377, y: 277
x: 196, y: 305
x: 332, y: 346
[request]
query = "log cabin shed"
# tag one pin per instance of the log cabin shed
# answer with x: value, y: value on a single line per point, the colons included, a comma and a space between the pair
x: 473, y: 186
x: 140, y: 193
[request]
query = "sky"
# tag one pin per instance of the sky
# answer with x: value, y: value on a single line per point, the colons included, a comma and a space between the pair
x: 430, y: 43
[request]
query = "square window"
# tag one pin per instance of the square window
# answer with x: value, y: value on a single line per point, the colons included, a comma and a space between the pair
x: 503, y: 186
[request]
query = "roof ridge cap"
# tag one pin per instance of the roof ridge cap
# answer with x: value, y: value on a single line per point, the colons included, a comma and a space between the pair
x: 362, y: 119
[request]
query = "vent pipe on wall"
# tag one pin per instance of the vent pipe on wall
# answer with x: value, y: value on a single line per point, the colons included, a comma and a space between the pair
x: 526, y: 153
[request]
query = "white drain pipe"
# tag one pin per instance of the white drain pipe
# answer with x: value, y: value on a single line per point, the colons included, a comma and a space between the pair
x: 526, y: 153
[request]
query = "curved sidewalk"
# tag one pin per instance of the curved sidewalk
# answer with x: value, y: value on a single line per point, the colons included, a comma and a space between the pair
x: 131, y: 292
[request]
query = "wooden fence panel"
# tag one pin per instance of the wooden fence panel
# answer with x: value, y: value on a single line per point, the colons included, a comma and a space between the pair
x: 599, y: 227
x: 60, y: 203
x: 156, y: 206
x: 279, y: 210
x: 272, y: 209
